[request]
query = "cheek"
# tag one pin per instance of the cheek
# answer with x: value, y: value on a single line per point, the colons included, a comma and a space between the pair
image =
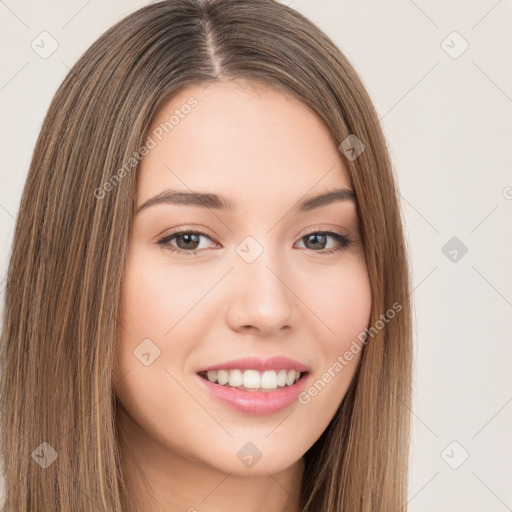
x: 155, y: 296
x: 351, y: 303
x: 342, y: 302
x: 153, y: 301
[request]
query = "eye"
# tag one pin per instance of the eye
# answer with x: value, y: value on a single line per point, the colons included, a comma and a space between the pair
x: 188, y: 241
x: 317, y: 238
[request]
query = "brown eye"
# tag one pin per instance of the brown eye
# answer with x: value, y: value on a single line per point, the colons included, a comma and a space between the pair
x: 317, y: 241
x: 187, y: 242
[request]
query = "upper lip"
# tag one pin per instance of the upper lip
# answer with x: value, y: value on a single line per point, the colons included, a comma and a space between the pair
x: 261, y: 365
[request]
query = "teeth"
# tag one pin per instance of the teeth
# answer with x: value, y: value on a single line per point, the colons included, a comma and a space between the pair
x: 281, y: 378
x: 253, y: 379
x: 269, y: 380
x: 235, y: 378
x: 290, y: 378
x: 212, y: 375
x: 222, y: 377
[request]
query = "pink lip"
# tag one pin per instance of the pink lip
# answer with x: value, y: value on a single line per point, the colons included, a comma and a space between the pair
x: 256, y: 403
x: 254, y: 363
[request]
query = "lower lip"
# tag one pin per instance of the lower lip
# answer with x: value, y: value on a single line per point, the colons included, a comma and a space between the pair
x: 256, y: 403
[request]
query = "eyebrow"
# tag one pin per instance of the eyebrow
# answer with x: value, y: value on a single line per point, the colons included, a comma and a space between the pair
x: 217, y: 202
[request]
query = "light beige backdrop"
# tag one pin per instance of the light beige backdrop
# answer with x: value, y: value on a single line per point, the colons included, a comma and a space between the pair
x: 439, y: 74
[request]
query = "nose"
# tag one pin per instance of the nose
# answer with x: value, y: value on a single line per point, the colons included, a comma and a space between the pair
x: 260, y: 296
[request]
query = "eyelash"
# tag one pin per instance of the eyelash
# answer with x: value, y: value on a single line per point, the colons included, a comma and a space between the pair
x: 343, y: 240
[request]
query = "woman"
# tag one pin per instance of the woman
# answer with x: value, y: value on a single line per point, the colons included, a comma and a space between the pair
x: 207, y: 304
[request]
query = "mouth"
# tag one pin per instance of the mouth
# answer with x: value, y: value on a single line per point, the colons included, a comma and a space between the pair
x: 252, y: 392
x: 252, y: 380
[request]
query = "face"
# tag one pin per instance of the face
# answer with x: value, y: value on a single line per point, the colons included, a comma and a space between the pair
x: 252, y: 292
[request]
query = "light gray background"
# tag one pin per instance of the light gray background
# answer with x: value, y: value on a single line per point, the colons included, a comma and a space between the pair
x: 448, y: 123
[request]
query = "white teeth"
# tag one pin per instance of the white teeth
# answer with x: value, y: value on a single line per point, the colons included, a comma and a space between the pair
x: 290, y: 378
x: 281, y: 378
x: 222, y: 377
x: 235, y: 378
x: 253, y: 379
x: 269, y: 380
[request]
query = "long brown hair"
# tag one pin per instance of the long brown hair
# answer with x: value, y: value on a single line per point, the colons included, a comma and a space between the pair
x: 68, y: 255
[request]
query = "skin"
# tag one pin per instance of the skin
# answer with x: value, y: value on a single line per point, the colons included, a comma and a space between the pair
x: 264, y: 150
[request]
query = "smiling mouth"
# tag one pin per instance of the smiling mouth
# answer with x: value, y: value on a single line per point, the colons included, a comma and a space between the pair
x: 253, y: 380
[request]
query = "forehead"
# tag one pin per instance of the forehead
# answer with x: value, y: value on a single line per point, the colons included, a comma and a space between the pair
x: 240, y: 139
